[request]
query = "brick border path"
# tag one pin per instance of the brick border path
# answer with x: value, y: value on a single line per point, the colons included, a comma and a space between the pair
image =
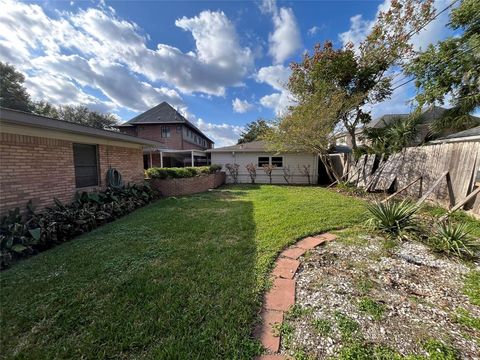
x: 281, y: 296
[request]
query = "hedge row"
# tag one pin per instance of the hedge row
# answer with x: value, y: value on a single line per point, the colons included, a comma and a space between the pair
x: 23, y: 235
x: 186, y: 172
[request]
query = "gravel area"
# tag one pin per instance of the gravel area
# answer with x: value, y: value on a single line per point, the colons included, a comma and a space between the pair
x: 366, y: 292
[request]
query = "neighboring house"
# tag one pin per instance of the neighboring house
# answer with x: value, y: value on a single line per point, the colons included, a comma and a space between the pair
x: 182, y: 143
x: 472, y: 134
x: 423, y: 128
x: 255, y: 153
x: 42, y: 158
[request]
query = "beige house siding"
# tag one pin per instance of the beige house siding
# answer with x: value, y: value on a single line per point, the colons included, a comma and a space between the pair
x: 293, y: 161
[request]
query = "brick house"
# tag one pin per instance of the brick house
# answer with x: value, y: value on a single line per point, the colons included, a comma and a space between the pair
x: 182, y: 143
x: 43, y: 158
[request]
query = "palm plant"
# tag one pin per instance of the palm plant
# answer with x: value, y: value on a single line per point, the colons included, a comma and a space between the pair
x: 401, y: 132
x: 454, y: 239
x: 393, y: 218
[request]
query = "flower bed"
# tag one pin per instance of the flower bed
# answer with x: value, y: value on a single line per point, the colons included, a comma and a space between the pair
x: 22, y: 235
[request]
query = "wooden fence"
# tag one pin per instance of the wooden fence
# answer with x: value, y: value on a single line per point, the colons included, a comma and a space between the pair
x: 446, y: 174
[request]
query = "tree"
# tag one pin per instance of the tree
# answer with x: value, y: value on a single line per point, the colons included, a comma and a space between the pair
x: 308, y: 127
x: 255, y: 130
x: 268, y: 168
x: 13, y: 94
x: 44, y: 108
x: 452, y: 67
x: 393, y: 137
x: 252, y: 171
x: 359, y: 76
x: 78, y: 114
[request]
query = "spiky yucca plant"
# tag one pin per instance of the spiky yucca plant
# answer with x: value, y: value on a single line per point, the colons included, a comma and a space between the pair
x: 454, y: 239
x: 392, y: 217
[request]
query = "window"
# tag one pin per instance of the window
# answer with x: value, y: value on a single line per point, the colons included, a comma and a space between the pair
x: 263, y: 160
x: 85, y: 161
x: 179, y: 129
x: 165, y: 132
x: 277, y: 161
x: 195, y: 138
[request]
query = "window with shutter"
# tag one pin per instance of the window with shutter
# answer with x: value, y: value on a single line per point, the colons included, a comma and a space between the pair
x: 85, y: 160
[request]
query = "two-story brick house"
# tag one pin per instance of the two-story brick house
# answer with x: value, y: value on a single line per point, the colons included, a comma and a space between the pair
x: 183, y: 144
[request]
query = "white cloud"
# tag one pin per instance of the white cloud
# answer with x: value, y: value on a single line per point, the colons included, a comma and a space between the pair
x: 278, y: 102
x: 241, y: 106
x: 285, y: 39
x: 217, y: 61
x: 57, y: 90
x: 224, y: 134
x: 314, y: 30
x: 110, y: 78
x: 276, y: 76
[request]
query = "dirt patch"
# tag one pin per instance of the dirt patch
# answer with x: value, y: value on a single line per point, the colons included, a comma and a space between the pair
x: 372, y: 297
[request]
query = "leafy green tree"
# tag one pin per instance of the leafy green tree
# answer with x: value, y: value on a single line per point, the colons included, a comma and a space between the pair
x: 44, y: 108
x: 13, y: 94
x: 82, y: 115
x: 392, y: 138
x: 254, y: 131
x: 359, y: 76
x: 452, y: 67
x: 308, y: 127
x: 78, y: 114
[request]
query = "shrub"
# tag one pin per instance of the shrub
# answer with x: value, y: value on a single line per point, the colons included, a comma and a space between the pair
x: 215, y: 168
x: 392, y: 217
x: 176, y: 173
x: 233, y: 171
x: 252, y: 171
x: 453, y: 239
x: 27, y: 234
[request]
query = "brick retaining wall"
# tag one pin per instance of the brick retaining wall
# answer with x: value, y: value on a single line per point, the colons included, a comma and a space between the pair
x: 187, y: 186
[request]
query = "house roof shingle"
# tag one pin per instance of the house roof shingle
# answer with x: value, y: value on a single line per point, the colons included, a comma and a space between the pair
x: 465, y: 135
x: 253, y: 146
x: 163, y: 113
x: 33, y: 120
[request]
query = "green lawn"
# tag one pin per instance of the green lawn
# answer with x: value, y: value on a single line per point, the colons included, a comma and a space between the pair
x: 179, y: 279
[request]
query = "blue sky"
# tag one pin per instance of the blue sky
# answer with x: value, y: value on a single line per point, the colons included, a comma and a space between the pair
x: 221, y: 63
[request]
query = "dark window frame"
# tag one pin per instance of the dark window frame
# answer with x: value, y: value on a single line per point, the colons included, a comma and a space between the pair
x: 277, y: 157
x: 165, y: 132
x: 260, y: 163
x: 86, y: 170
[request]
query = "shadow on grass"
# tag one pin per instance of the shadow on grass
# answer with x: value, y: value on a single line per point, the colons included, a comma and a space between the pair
x: 174, y: 280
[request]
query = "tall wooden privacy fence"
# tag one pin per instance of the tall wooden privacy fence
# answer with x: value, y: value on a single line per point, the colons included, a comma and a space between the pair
x: 445, y: 173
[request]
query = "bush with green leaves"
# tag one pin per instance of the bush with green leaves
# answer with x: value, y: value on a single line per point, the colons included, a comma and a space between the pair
x: 178, y: 173
x: 454, y: 239
x: 394, y: 218
x: 25, y: 234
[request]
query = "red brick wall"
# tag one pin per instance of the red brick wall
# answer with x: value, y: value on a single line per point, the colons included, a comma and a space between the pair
x: 39, y: 169
x: 186, y: 186
x: 154, y: 132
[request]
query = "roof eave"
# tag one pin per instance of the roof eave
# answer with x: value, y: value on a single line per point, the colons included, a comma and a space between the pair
x: 33, y: 120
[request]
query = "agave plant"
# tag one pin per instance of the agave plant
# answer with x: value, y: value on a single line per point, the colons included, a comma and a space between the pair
x: 454, y: 239
x: 393, y: 217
